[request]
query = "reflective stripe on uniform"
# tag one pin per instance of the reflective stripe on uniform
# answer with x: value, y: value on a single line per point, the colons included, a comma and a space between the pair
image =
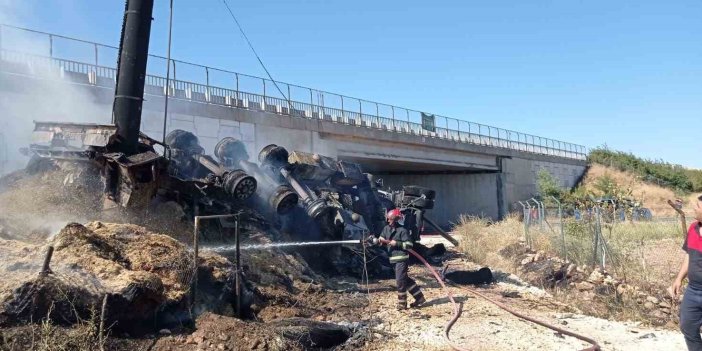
x: 399, y: 258
x: 406, y: 245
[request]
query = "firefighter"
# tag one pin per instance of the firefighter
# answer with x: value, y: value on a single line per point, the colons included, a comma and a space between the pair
x: 398, y: 239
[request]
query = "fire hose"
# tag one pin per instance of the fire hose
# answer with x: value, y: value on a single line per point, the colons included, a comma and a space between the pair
x: 457, y: 307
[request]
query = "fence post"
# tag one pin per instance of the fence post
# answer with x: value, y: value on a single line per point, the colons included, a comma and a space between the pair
x: 207, y: 84
x: 196, y: 249
x: 320, y: 97
x: 560, y: 220
x: 360, y: 111
x: 539, y: 211
x: 51, y: 46
x: 597, y: 235
x: 238, y: 268
x: 528, y: 224
x: 236, y: 76
x: 525, y: 215
x: 377, y: 115
x: 312, y: 107
x: 96, y: 56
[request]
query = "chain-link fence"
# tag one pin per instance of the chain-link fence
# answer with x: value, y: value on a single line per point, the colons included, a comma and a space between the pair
x: 617, y: 239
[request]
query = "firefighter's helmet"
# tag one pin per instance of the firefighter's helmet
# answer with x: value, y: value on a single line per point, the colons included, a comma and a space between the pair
x: 393, y: 214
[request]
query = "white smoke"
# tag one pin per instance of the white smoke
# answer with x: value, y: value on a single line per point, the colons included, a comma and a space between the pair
x: 35, y: 91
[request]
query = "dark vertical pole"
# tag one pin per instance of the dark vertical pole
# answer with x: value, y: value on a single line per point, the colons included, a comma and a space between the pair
x: 131, y: 73
x: 500, y: 191
x: 196, y: 249
x: 312, y: 105
x: 96, y: 57
x: 45, y: 269
x: 207, y: 86
x: 168, y: 74
x: 596, y: 236
x: 238, y: 267
x: 236, y: 76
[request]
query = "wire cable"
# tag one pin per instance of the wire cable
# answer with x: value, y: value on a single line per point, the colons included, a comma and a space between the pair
x: 168, y: 73
x: 255, y: 53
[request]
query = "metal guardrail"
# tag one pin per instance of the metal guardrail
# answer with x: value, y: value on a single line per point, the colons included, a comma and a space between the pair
x: 251, y: 92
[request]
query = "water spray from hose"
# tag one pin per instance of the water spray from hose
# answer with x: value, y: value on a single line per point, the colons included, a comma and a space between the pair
x: 228, y: 248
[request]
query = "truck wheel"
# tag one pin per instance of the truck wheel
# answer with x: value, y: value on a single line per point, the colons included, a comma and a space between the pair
x: 418, y: 191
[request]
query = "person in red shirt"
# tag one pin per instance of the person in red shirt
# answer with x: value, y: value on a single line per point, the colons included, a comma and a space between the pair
x: 691, y: 307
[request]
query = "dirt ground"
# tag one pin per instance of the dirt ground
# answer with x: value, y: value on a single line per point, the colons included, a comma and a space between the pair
x: 368, y: 311
x: 294, y: 308
x: 482, y: 326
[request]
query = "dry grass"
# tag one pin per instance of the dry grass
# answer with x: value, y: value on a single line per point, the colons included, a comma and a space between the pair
x: 483, y: 243
x: 84, y: 336
x: 643, y: 254
x: 652, y: 196
x: 46, y: 336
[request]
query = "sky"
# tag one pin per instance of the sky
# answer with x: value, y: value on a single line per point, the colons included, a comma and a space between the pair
x: 626, y: 74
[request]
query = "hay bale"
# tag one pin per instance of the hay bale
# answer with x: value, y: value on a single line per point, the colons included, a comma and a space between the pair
x: 146, y: 275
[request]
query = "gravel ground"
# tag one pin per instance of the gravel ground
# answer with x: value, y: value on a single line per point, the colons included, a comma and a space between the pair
x: 484, y: 326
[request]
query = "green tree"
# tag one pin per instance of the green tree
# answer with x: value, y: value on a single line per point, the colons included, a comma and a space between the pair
x: 547, y: 185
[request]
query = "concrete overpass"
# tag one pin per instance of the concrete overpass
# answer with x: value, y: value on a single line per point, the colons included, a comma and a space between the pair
x: 476, y: 169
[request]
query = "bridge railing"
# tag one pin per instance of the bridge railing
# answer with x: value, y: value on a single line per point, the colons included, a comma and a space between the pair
x: 69, y: 58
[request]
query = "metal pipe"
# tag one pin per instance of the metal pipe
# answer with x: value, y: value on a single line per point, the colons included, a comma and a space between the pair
x: 238, y: 269
x: 45, y: 269
x: 444, y: 234
x: 208, y: 163
x: 539, y: 209
x: 303, y: 191
x: 96, y: 56
x: 131, y: 73
x: 168, y: 73
x: 196, y: 249
x: 597, y: 235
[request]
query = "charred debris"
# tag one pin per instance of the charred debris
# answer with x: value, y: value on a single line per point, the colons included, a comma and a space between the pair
x: 308, y: 196
x: 302, y: 195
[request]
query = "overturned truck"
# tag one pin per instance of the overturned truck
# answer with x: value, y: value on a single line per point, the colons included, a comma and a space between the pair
x: 133, y: 170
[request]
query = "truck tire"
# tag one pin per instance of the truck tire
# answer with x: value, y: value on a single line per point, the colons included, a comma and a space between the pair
x: 418, y: 202
x: 418, y: 191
